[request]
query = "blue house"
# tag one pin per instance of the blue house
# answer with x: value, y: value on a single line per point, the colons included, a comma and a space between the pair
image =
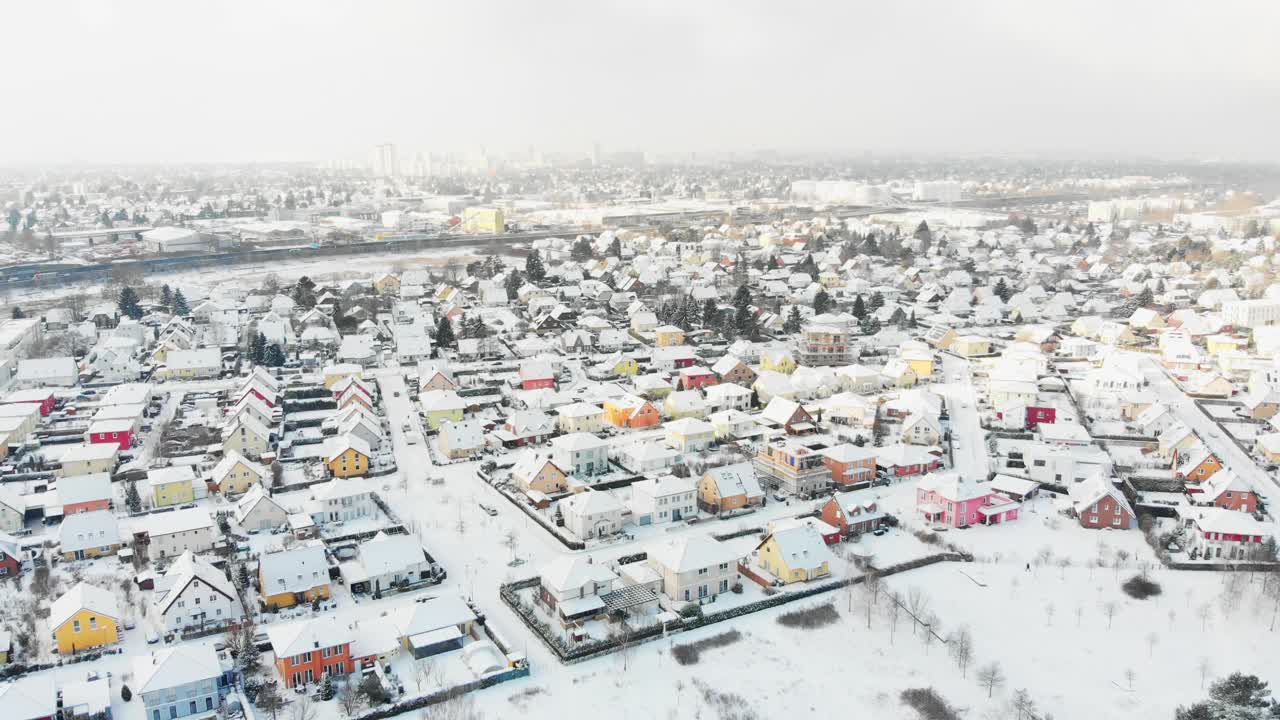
x: 181, y: 681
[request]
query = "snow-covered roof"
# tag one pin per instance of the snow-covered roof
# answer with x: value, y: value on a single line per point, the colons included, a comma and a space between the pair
x: 82, y: 596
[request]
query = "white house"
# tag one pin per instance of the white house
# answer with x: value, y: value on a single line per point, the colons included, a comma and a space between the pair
x: 173, y: 533
x: 385, y: 562
x: 694, y: 568
x: 592, y: 514
x: 342, y: 499
x: 259, y: 511
x: 580, y: 454
x: 194, y: 594
x: 666, y: 499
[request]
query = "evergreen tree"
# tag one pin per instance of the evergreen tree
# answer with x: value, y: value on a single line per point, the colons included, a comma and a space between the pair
x: 859, y: 308
x: 512, y: 285
x: 128, y: 303
x: 274, y: 356
x: 808, y: 266
x: 581, y: 250
x: 821, y: 302
x: 876, y: 302
x: 166, y: 295
x: 444, y: 333
x: 615, y: 248
x: 871, y: 246
x: 1002, y: 290
x: 911, y: 322
x: 870, y: 325
x: 710, y: 309
x: 180, y: 305
x: 744, y: 319
x: 258, y: 349
x: 132, y: 499
x: 1146, y: 297
x: 793, y: 322
x: 533, y: 267
x: 17, y: 313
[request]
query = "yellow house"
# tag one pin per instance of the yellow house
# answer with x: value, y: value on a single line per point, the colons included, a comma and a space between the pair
x: 85, y: 617
x: 921, y: 361
x: 537, y: 472
x: 619, y: 364
x: 388, y: 284
x: 668, y: 335
x: 1218, y: 344
x: 796, y: 554
x: 778, y: 360
x: 347, y: 456
x: 1268, y: 446
x: 333, y: 374
x: 439, y: 406
x: 234, y: 474
x: 246, y: 436
x: 580, y: 417
x: 172, y: 485
x: 293, y: 577
x: 898, y: 373
x: 970, y: 345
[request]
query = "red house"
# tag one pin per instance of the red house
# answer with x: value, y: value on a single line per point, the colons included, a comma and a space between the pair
x: 1227, y: 490
x: 1037, y: 415
x: 537, y: 375
x: 308, y: 649
x: 85, y: 493
x: 260, y: 391
x: 10, y: 565
x: 119, y: 432
x: 850, y: 464
x: 906, y: 460
x: 1098, y: 504
x: 36, y: 396
x: 851, y: 516
x: 692, y: 378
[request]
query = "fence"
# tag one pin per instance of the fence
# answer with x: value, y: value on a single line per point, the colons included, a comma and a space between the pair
x: 586, y: 651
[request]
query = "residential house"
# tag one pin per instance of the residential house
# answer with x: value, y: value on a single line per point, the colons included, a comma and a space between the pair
x: 85, y: 617
x: 694, y: 568
x: 732, y: 424
x: 697, y: 376
x: 664, y: 499
x: 690, y: 435
x: 1098, y: 503
x: 921, y: 428
x: 795, y: 554
x: 118, y: 433
x: 580, y: 455
x: 536, y: 375
x: 579, y: 418
x: 234, y: 474
x: 247, y: 436
x: 342, y: 500
x: 591, y: 514
x: 439, y: 406
x: 172, y: 485
x: 191, y: 364
x: 631, y: 411
x: 460, y: 440
x: 291, y: 577
x: 308, y: 650
x: 181, y: 681
x: 728, y: 488
x: 728, y: 396
x: 1226, y: 490
x: 1218, y: 533
x: 168, y: 534
x: 778, y: 359
x: 387, y: 562
x: 525, y: 427
x: 668, y: 336
x: 850, y: 465
x: 794, y: 468
x: 88, y: 535
x: 194, y: 595
x: 852, y: 513
x: 347, y: 456
x: 732, y: 370
x: 685, y: 404
x: 536, y: 472
x: 88, y: 459
x: 952, y: 500
x: 259, y: 511
x: 572, y: 587
x: 789, y: 415
x: 1198, y: 465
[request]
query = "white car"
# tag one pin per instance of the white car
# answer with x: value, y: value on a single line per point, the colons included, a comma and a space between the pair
x: 413, y: 438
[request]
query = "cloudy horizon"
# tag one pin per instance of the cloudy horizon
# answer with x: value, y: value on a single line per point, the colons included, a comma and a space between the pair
x: 150, y: 82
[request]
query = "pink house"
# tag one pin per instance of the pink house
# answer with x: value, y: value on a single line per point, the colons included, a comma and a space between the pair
x: 537, y: 375
x: 949, y: 499
x: 692, y: 378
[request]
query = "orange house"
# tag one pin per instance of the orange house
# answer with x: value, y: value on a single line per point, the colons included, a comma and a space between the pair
x: 1199, y: 467
x: 308, y: 650
x: 631, y: 411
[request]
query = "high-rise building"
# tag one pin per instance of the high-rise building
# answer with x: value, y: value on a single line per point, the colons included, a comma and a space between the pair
x: 384, y: 160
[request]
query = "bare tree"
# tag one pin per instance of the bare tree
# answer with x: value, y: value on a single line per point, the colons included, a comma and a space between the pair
x: 1122, y: 557
x: 1205, y: 668
x: 1173, y: 616
x: 918, y: 604
x: 1109, y: 609
x: 623, y: 634
x: 1024, y: 707
x: 510, y: 540
x: 1044, y: 555
x: 425, y: 672
x: 870, y: 592
x: 458, y: 707
x: 961, y: 644
x: 895, y: 607
x: 1063, y: 563
x: 277, y: 475
x: 990, y: 677
x: 269, y: 699
x: 303, y: 708
x: 1129, y: 677
x: 1079, y: 614
x: 351, y: 700
x: 1049, y: 610
x: 931, y: 624
x: 1152, y: 638
x: 1203, y: 611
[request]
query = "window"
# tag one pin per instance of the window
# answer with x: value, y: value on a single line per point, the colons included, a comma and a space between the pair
x: 1116, y: 520
x: 93, y: 623
x: 75, y: 626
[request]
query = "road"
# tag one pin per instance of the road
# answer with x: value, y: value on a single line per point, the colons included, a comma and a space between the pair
x: 1216, y: 439
x: 968, y: 439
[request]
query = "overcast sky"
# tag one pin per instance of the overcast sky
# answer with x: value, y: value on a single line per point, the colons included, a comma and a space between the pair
x: 99, y: 81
